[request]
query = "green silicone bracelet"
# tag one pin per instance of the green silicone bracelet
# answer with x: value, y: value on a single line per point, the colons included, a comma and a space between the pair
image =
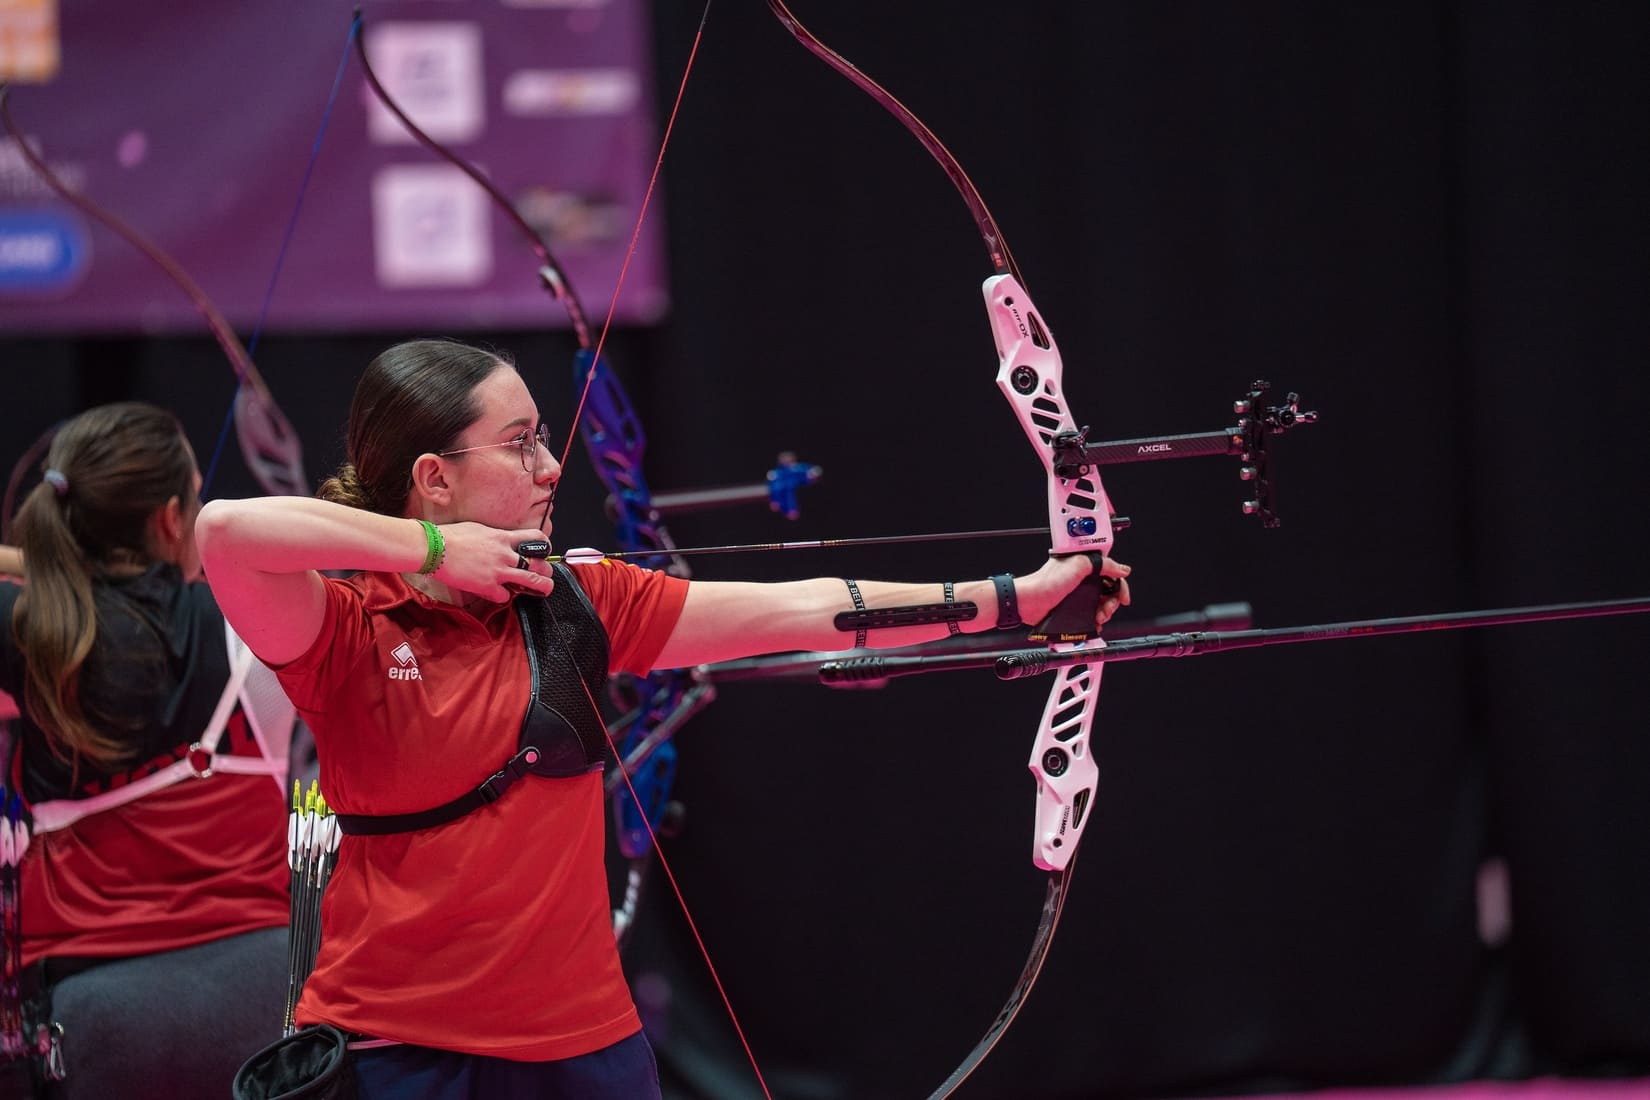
x: 435, y: 548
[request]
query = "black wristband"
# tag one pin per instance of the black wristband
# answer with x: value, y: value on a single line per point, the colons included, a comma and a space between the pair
x: 951, y: 597
x: 1008, y: 604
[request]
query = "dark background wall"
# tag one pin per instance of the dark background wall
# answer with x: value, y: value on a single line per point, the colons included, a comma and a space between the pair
x: 1427, y: 218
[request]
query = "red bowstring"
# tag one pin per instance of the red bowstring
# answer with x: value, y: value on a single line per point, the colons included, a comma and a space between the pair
x: 635, y: 235
x: 572, y: 431
x: 681, y: 901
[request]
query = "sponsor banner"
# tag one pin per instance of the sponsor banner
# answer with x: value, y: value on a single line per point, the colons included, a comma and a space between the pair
x: 200, y: 139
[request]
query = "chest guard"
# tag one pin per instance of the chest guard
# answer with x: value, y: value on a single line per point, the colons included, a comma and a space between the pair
x: 567, y: 653
x: 562, y: 734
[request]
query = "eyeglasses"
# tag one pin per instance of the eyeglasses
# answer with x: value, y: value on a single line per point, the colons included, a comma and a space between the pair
x: 527, y: 442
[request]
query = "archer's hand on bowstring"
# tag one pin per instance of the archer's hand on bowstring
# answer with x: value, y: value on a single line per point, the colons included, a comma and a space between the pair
x: 487, y: 562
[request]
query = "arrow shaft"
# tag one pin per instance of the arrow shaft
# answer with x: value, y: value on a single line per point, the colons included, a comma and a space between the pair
x: 809, y: 544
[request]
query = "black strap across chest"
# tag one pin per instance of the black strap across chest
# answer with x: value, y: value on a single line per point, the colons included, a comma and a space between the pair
x: 561, y: 732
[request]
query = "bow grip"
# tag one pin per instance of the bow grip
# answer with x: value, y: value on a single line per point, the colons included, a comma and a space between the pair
x: 1072, y: 619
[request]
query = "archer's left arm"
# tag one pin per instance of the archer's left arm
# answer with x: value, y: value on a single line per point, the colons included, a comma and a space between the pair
x: 11, y: 561
x: 726, y: 620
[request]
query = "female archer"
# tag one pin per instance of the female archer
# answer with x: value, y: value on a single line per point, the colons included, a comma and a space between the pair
x: 467, y: 945
x: 146, y: 940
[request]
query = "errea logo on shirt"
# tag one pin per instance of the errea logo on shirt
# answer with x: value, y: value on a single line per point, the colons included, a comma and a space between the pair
x: 406, y: 666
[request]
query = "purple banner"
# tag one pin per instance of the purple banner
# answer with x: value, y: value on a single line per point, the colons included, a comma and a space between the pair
x: 193, y: 120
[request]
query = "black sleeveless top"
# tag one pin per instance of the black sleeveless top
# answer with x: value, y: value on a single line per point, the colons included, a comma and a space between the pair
x: 151, y: 681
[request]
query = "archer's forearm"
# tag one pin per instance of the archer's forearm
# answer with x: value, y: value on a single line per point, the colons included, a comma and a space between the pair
x: 724, y: 620
x: 297, y: 534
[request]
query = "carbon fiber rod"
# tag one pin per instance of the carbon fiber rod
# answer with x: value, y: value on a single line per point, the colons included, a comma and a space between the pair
x: 1016, y: 664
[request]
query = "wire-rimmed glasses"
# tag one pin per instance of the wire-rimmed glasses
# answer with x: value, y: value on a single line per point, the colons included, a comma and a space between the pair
x: 528, y: 442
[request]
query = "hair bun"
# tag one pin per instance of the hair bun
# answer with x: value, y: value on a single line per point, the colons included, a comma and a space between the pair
x: 345, y: 487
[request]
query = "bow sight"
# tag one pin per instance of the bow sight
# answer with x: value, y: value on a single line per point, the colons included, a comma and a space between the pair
x: 1074, y: 455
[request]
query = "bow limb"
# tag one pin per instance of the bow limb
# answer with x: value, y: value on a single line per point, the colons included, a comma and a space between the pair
x: 268, y: 441
x: 1002, y: 260
x: 270, y: 445
x: 659, y: 703
x: 551, y: 273
x: 1029, y: 376
x: 552, y: 276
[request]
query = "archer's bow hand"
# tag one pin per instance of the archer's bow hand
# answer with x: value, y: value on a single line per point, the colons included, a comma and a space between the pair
x: 1071, y: 584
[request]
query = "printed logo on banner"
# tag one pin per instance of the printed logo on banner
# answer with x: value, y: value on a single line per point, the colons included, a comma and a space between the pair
x: 433, y: 70
x: 570, y: 218
x: 545, y: 93
x: 431, y: 227
x: 18, y: 181
x: 41, y: 251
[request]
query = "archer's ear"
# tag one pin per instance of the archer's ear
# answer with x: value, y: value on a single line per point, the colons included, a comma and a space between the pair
x: 169, y: 519
x: 167, y: 530
x: 429, y: 479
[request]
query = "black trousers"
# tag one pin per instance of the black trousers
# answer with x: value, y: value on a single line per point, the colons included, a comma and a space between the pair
x: 171, y: 1026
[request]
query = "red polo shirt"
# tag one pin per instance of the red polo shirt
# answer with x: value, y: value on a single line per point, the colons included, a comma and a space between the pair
x: 491, y: 934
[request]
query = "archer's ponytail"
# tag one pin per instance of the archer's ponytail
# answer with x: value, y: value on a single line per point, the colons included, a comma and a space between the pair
x: 107, y: 471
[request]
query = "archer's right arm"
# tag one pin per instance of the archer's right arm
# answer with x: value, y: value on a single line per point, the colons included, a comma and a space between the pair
x: 263, y: 559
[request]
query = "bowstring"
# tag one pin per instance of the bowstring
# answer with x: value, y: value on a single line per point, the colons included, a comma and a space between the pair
x: 636, y: 233
x: 567, y: 452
